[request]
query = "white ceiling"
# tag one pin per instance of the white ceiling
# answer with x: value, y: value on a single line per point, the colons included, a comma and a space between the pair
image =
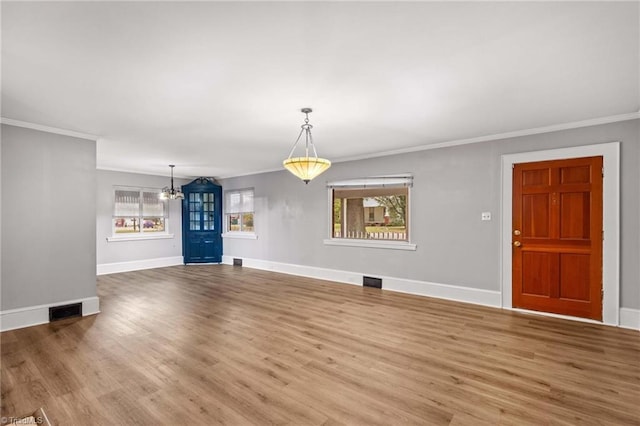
x: 216, y: 87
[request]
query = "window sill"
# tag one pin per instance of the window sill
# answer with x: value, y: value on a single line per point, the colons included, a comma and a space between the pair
x: 392, y: 245
x: 139, y: 237
x: 241, y: 235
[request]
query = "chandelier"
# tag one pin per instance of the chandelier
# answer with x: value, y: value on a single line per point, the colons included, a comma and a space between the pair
x: 171, y: 193
x: 306, y: 168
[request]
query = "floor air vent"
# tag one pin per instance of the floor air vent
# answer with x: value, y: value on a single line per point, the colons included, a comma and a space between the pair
x: 372, y: 282
x: 65, y: 311
x: 237, y: 262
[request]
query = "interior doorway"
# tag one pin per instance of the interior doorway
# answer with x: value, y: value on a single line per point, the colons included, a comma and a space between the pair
x: 610, y: 153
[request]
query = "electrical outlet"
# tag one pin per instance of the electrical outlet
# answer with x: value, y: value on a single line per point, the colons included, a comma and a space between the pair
x: 486, y: 215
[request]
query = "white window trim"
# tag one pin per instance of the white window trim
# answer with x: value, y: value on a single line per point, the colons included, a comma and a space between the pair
x: 140, y: 235
x: 381, y: 244
x: 352, y: 242
x: 240, y: 235
x: 148, y: 236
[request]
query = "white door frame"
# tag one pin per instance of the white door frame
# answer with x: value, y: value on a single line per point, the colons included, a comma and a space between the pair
x: 610, y: 219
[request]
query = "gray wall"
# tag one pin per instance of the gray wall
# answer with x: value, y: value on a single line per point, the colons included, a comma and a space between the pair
x: 452, y: 186
x: 48, y: 218
x: 126, y: 251
x: 1, y: 192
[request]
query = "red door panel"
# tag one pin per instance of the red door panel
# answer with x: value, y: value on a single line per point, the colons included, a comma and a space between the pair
x: 557, y: 236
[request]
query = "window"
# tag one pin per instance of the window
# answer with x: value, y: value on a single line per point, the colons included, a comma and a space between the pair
x: 239, y: 212
x: 139, y: 211
x: 371, y: 212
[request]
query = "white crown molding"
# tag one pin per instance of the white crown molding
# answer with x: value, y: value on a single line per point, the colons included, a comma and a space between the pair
x: 48, y: 129
x: 498, y: 136
x: 457, y: 142
x: 486, y: 138
x: 259, y: 172
x: 138, y: 172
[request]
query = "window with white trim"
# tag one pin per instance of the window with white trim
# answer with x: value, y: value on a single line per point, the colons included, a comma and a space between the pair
x: 138, y: 212
x: 374, y: 209
x: 239, y: 212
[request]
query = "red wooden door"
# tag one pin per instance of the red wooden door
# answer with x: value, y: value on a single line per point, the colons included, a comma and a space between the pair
x: 557, y: 237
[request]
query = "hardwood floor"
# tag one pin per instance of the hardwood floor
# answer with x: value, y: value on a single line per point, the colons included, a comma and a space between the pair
x: 214, y: 344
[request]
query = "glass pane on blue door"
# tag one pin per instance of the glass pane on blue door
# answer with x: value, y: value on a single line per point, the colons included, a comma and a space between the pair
x: 195, y: 206
x: 208, y: 210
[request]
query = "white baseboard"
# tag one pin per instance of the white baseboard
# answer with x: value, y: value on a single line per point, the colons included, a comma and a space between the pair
x: 34, y: 315
x: 560, y: 316
x: 402, y: 285
x: 630, y: 318
x: 443, y: 291
x: 137, y: 265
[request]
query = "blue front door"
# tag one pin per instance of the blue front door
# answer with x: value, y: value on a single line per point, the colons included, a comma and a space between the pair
x: 201, y: 222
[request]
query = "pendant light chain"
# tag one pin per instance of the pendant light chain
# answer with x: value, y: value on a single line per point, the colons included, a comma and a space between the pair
x: 307, y: 132
x: 171, y: 193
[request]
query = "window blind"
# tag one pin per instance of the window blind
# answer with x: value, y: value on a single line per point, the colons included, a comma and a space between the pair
x: 127, y: 203
x: 239, y: 201
x: 152, y: 205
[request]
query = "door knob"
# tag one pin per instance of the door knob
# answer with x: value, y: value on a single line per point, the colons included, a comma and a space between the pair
x: 517, y: 243
x: 516, y: 232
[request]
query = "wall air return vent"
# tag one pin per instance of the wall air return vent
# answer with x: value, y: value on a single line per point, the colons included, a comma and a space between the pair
x: 372, y: 282
x: 65, y: 311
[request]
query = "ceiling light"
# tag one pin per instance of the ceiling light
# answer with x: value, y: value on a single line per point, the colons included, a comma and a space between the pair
x: 306, y: 168
x: 171, y: 193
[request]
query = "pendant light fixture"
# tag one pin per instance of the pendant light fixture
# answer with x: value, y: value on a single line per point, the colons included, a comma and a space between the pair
x: 171, y: 193
x: 306, y: 168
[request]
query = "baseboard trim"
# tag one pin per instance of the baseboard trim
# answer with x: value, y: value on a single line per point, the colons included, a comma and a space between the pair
x: 12, y: 319
x: 137, y: 265
x: 443, y: 291
x: 552, y: 315
x: 630, y: 318
x: 401, y: 285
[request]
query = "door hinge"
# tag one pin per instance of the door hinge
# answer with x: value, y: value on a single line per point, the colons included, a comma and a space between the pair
x: 603, y: 172
x: 603, y: 235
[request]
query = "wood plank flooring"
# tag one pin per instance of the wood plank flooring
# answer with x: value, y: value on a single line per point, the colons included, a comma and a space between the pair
x: 214, y: 344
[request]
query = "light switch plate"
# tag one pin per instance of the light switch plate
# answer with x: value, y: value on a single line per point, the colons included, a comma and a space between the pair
x: 486, y: 215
